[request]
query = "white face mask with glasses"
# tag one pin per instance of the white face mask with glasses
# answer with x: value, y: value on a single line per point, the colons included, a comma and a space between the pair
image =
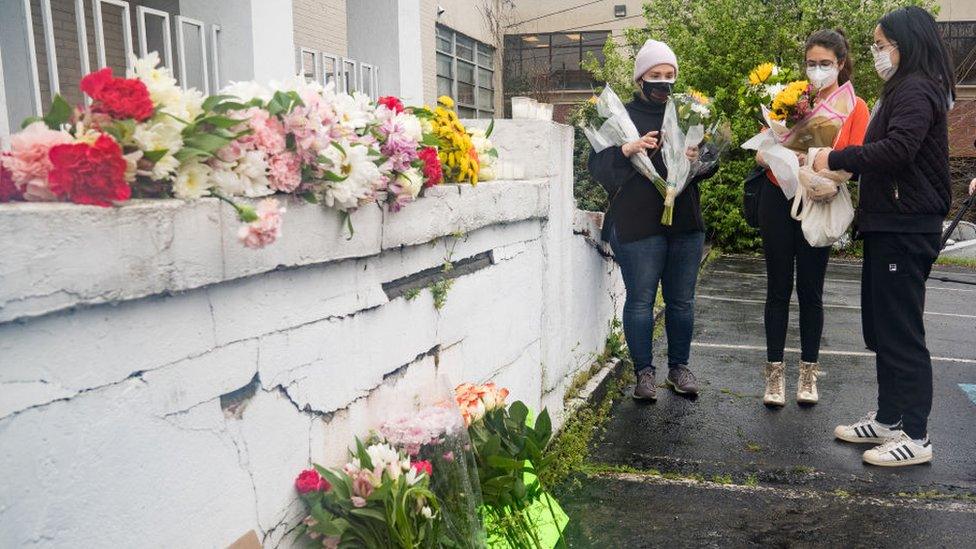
x: 822, y: 76
x: 882, y: 60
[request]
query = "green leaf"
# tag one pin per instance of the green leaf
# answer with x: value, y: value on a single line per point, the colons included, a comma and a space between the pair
x: 518, y: 411
x: 491, y: 128
x: 431, y: 140
x: 543, y: 427
x: 369, y: 513
x: 154, y: 156
x: 30, y: 120
x: 310, y: 197
x: 210, y: 143
x: 212, y: 101
x: 189, y: 153
x: 333, y: 177
x: 59, y: 114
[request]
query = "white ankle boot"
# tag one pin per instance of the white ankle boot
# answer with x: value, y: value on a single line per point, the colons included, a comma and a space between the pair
x: 806, y: 387
x: 775, y: 384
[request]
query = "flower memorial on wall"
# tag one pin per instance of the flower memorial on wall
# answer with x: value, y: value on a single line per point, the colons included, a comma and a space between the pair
x: 144, y: 136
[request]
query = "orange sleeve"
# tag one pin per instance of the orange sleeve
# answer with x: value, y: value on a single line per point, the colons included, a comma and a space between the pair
x: 856, y: 125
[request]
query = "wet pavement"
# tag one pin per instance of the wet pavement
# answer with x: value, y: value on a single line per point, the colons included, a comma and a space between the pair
x: 779, y: 477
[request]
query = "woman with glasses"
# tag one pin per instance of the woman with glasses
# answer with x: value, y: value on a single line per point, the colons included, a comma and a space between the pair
x: 828, y: 66
x: 904, y: 198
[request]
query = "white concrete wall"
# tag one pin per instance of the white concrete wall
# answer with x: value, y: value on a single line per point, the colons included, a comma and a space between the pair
x: 128, y: 334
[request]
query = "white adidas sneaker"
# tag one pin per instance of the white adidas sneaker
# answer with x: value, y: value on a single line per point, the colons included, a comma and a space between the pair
x: 867, y: 429
x: 899, y: 451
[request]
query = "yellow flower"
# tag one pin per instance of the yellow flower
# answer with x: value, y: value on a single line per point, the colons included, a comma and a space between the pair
x: 786, y: 100
x: 592, y: 100
x: 446, y: 101
x: 761, y: 73
x: 698, y: 96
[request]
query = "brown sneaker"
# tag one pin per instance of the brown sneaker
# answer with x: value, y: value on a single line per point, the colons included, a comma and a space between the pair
x: 646, y: 389
x: 682, y: 381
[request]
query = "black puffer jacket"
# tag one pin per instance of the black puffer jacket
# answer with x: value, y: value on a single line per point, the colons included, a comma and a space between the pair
x: 635, y: 203
x: 904, y: 162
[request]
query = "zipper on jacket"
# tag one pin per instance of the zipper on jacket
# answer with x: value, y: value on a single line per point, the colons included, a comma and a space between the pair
x: 896, y: 191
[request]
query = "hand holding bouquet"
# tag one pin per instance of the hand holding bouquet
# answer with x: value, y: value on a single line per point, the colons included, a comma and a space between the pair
x: 796, y: 124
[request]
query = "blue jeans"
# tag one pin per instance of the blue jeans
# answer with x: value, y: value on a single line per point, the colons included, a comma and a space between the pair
x: 672, y: 260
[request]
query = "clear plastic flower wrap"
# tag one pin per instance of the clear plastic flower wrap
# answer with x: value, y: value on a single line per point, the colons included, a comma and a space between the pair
x: 609, y: 125
x: 430, y: 430
x: 780, y: 143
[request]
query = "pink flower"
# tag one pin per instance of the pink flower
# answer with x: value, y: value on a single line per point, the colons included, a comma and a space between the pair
x: 362, y: 484
x: 29, y: 163
x: 449, y: 457
x: 267, y: 132
x: 310, y: 481
x: 266, y: 228
x: 285, y: 172
x: 358, y: 502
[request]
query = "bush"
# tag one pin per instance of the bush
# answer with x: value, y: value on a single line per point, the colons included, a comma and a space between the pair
x: 717, y: 43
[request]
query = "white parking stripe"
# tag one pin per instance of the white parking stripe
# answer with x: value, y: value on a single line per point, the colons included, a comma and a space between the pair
x: 826, y: 305
x: 839, y: 281
x: 851, y: 265
x: 823, y: 352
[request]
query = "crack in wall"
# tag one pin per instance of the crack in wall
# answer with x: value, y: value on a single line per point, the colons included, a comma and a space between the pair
x: 134, y: 375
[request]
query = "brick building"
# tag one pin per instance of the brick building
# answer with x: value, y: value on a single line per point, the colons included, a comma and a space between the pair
x: 416, y: 49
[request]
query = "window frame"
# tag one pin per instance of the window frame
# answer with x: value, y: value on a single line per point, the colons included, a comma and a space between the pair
x: 443, y: 31
x: 518, y: 56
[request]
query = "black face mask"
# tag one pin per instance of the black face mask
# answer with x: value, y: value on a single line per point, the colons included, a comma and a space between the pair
x: 656, y: 91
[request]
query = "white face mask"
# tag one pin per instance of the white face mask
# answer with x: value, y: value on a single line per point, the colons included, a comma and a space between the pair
x: 821, y: 77
x: 883, y: 64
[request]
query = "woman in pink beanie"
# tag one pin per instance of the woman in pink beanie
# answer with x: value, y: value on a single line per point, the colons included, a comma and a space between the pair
x: 650, y: 253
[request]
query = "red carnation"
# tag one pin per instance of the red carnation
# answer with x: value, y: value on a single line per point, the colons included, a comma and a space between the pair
x: 119, y: 98
x: 309, y: 480
x: 423, y: 467
x: 392, y: 103
x: 8, y: 191
x: 432, y: 166
x: 89, y: 174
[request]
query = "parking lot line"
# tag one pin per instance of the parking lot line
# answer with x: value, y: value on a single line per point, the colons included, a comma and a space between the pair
x: 826, y: 305
x: 822, y: 352
x: 839, y: 281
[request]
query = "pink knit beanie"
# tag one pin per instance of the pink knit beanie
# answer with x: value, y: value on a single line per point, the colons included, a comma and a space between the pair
x: 651, y: 54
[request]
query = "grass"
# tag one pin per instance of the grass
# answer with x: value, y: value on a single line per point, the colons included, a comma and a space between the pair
x: 967, y: 262
x: 803, y: 470
x: 753, y: 447
x: 935, y: 495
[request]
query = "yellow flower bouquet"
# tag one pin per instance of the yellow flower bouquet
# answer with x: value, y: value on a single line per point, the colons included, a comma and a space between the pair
x: 457, y: 151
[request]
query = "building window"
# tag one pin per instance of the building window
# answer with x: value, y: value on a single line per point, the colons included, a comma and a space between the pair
x: 465, y: 71
x: 49, y: 45
x: 347, y: 75
x: 547, y: 62
x: 620, y: 10
x: 960, y: 37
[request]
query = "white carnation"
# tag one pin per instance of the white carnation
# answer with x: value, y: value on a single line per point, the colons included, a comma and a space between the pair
x: 192, y: 181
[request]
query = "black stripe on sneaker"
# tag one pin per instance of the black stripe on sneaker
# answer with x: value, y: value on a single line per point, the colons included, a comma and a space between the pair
x: 896, y: 456
x: 873, y: 433
x: 901, y: 452
x: 857, y: 431
x: 909, y: 450
x: 927, y: 444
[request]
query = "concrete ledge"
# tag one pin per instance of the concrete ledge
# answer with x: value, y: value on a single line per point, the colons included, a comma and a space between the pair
x: 58, y: 256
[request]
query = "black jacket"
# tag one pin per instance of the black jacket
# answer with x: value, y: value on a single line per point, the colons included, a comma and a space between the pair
x: 635, y: 203
x: 904, y: 162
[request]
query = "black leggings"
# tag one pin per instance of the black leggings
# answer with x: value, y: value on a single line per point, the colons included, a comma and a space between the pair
x: 784, y: 245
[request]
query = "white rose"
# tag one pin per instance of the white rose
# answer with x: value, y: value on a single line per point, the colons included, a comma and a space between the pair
x: 192, y: 181
x: 411, y: 181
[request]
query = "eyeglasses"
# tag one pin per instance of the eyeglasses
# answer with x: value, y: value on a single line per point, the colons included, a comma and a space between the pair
x: 822, y: 64
x: 876, y: 48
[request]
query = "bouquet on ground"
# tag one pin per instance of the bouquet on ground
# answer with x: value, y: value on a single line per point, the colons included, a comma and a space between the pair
x: 796, y: 124
x: 435, y: 434
x: 518, y: 511
x: 380, y: 498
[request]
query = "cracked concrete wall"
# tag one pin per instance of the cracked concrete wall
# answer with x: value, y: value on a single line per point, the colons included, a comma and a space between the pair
x: 159, y: 382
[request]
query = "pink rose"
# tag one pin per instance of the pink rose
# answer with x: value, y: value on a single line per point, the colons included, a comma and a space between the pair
x: 266, y: 229
x: 29, y: 163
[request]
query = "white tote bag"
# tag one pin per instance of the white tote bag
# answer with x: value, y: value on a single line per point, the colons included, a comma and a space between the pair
x: 823, y: 221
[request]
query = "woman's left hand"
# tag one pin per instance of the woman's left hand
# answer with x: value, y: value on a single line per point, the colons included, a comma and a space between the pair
x: 692, y: 153
x: 820, y: 162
